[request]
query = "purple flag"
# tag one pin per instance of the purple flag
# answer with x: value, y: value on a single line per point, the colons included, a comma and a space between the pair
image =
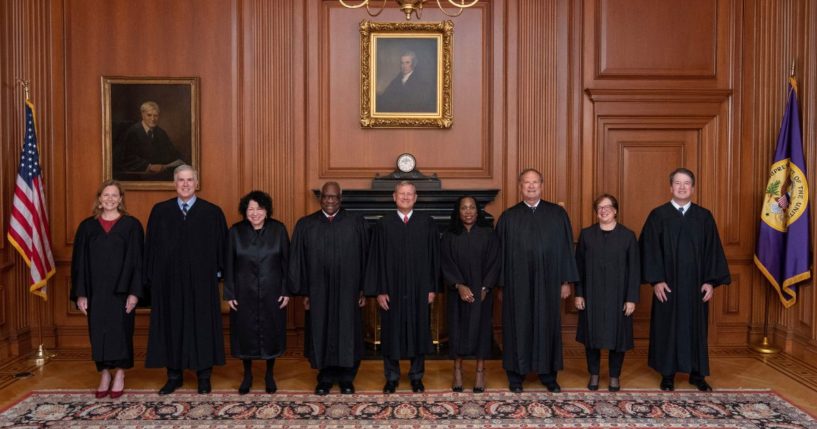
x: 783, y: 244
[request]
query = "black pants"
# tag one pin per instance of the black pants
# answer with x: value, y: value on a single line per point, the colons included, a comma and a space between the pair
x: 338, y: 374
x: 616, y: 361
x: 176, y: 374
x: 516, y: 379
x: 391, y: 367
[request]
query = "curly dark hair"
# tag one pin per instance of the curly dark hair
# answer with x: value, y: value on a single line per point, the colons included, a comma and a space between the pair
x: 262, y: 198
x: 455, y: 225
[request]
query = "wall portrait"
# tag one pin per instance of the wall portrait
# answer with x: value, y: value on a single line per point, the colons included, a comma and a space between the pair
x: 150, y: 126
x: 406, y: 74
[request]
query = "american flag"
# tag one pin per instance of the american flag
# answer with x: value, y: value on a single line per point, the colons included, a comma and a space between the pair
x: 28, y: 228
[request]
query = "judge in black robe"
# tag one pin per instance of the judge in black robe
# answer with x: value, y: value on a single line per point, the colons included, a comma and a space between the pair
x: 106, y: 283
x: 537, y: 267
x: 469, y: 260
x: 609, y: 278
x: 682, y: 257
x: 403, y: 272
x: 255, y: 286
x: 184, y: 256
x: 327, y: 266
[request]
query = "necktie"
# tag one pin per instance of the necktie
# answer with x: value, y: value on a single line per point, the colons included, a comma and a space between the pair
x: 681, y: 210
x: 405, y: 219
x: 533, y: 209
x: 150, y: 134
x: 184, y: 209
x: 331, y: 218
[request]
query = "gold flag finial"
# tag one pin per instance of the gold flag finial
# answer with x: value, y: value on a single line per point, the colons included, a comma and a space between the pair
x: 26, y: 87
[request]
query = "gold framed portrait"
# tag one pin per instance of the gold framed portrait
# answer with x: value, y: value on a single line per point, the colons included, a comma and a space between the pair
x: 405, y: 74
x: 150, y: 125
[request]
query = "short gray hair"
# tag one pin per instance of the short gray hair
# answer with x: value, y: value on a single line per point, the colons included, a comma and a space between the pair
x: 185, y: 167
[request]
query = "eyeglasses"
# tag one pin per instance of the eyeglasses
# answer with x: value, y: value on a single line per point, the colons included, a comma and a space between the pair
x: 603, y: 208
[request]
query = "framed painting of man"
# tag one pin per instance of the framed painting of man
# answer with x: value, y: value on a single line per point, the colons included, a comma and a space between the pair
x: 406, y: 74
x: 149, y: 127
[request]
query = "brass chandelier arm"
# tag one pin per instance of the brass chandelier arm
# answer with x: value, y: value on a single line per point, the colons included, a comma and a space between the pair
x: 362, y: 4
x: 462, y: 5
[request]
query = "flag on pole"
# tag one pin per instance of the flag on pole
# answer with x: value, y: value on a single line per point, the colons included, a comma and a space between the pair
x: 783, y: 244
x: 28, y: 228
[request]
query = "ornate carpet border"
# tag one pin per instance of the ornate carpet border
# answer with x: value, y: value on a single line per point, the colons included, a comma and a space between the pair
x: 569, y: 409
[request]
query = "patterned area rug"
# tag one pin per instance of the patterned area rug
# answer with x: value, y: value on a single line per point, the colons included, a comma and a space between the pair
x: 630, y: 409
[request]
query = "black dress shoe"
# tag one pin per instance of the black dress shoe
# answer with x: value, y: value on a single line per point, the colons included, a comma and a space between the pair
x: 390, y: 386
x: 614, y: 385
x: 553, y: 387
x: 667, y: 384
x: 417, y: 386
x: 515, y: 388
x: 271, y: 387
x: 245, y: 386
x: 347, y: 388
x: 204, y: 386
x: 457, y: 389
x: 170, y: 387
x: 701, y: 384
x: 478, y: 389
x: 323, y: 388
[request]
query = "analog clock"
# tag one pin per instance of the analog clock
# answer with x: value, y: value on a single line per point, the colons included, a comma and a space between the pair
x: 406, y: 163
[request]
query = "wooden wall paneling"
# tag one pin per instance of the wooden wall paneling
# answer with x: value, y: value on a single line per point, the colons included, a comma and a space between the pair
x: 653, y: 44
x: 673, y: 39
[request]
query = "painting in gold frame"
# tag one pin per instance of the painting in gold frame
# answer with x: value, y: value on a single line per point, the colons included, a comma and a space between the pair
x: 150, y: 126
x: 406, y: 74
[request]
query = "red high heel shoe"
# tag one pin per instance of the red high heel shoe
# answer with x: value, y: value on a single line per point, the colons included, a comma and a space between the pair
x: 115, y: 394
x: 103, y: 393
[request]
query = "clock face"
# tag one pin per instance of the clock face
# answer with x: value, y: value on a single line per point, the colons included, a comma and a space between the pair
x: 406, y: 162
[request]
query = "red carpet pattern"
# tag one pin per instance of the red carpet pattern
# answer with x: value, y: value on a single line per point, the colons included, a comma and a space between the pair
x: 571, y: 409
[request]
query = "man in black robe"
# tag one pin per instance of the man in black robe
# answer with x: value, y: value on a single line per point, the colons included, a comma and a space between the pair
x: 683, y: 259
x: 184, y: 257
x: 327, y: 265
x: 537, y: 267
x: 403, y: 272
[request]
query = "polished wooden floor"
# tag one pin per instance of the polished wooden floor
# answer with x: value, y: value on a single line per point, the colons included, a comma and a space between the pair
x: 731, y: 368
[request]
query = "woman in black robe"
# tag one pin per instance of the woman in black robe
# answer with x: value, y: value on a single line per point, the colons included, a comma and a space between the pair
x: 106, y: 283
x: 609, y: 269
x: 469, y: 257
x: 255, y: 287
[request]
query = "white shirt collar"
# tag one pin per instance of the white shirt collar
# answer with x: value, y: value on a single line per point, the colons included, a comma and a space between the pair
x: 328, y: 215
x: 677, y: 206
x: 401, y: 215
x: 405, y: 78
x: 535, y: 205
x: 190, y: 202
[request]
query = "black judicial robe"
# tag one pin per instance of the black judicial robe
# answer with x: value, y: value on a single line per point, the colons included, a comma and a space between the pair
x: 106, y: 268
x: 255, y: 275
x: 537, y: 257
x: 404, y: 263
x: 327, y: 264
x: 684, y: 251
x: 609, y: 275
x: 470, y: 258
x: 183, y: 258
